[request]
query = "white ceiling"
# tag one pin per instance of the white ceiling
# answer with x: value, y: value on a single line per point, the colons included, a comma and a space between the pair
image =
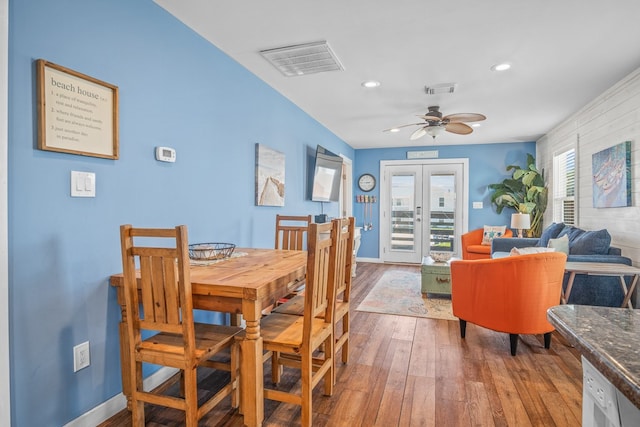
x: 564, y: 53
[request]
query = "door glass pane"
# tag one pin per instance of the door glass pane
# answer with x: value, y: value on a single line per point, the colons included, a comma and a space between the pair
x: 402, y: 212
x: 442, y: 212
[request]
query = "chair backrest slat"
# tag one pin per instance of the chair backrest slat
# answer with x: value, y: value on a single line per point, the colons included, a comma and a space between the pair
x: 344, y: 256
x: 159, y: 283
x: 291, y: 232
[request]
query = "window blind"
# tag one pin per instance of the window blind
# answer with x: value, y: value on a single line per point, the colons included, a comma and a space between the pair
x: 564, y: 190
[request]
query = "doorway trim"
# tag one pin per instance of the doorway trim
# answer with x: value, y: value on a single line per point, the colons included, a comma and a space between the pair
x: 5, y: 368
x: 346, y: 193
x: 421, y: 162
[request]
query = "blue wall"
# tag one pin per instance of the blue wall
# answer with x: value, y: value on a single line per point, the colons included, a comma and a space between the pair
x: 176, y: 90
x: 487, y: 165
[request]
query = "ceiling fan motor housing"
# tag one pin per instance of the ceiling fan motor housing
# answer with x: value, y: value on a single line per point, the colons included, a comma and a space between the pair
x: 434, y: 111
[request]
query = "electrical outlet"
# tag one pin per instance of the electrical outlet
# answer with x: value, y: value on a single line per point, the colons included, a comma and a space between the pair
x: 81, y: 356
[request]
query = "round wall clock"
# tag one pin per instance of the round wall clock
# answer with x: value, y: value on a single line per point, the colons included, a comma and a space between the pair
x: 366, y: 182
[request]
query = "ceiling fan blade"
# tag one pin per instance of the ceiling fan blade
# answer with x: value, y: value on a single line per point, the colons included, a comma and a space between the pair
x: 431, y: 118
x: 464, y: 117
x: 419, y: 133
x: 402, y: 126
x: 459, y: 128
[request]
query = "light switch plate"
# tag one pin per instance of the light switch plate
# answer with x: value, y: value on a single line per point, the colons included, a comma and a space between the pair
x: 83, y: 184
x: 477, y: 205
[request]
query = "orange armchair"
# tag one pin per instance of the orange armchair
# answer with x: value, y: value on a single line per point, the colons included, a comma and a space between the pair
x: 472, y: 247
x: 510, y: 294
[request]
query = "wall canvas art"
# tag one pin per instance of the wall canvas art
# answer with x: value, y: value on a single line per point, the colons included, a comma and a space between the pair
x: 611, y: 170
x: 269, y: 176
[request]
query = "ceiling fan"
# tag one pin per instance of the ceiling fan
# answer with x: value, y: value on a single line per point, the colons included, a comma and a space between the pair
x: 434, y: 124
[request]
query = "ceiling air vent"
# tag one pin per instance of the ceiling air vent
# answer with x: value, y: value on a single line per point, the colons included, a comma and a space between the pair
x: 440, y: 88
x: 302, y: 59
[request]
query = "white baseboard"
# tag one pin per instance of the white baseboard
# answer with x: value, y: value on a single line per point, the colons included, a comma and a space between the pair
x: 117, y: 403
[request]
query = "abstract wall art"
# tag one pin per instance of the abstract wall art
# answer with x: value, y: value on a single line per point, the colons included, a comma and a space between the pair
x: 611, y: 169
x: 269, y: 176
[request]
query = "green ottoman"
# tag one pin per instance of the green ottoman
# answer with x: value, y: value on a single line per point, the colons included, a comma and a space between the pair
x: 436, y: 277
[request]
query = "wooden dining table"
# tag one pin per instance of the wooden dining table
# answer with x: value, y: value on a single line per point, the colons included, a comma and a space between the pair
x: 240, y: 285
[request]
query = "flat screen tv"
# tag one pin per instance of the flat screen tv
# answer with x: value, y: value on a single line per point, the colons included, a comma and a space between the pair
x: 326, y: 176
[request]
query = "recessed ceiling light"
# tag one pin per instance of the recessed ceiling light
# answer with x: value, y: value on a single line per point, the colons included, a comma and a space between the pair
x: 394, y: 130
x: 476, y: 125
x: 501, y: 67
x: 369, y: 84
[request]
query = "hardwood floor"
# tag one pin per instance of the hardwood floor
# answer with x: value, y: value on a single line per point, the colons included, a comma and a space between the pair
x: 407, y: 371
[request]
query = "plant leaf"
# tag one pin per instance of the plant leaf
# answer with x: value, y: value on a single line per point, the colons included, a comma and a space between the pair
x: 525, y: 191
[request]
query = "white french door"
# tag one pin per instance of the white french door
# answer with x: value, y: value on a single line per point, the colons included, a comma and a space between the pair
x: 423, y: 208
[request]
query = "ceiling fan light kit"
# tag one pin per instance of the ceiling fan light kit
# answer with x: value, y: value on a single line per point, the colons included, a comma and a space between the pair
x: 435, y: 130
x: 434, y: 123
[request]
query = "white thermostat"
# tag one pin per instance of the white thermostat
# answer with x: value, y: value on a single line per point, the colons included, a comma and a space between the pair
x: 165, y: 154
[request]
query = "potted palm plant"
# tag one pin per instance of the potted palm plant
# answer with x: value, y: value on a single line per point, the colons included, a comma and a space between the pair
x: 526, y: 192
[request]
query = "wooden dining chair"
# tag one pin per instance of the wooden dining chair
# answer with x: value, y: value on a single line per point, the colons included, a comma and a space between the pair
x: 302, y: 336
x: 343, y: 288
x: 160, y: 303
x: 291, y: 232
x: 342, y: 275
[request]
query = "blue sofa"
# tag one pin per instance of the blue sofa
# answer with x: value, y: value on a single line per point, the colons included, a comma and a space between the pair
x: 584, y: 246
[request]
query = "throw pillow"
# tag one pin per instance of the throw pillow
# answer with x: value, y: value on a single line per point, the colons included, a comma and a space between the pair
x: 530, y: 250
x: 551, y: 232
x: 590, y: 243
x: 561, y: 244
x: 491, y: 232
x: 572, y: 232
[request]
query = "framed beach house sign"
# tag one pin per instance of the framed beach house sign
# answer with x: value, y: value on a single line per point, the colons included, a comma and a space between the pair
x: 77, y: 114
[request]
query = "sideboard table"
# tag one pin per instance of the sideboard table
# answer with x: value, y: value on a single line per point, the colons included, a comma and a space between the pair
x: 603, y: 269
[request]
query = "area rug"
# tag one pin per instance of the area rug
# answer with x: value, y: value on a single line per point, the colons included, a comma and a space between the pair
x: 398, y: 292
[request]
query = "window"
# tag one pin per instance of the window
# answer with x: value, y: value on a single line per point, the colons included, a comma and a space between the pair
x: 564, y: 187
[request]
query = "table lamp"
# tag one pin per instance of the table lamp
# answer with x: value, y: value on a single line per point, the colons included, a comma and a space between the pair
x: 520, y: 221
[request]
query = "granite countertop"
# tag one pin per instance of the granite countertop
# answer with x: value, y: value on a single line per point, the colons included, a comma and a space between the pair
x: 609, y: 338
